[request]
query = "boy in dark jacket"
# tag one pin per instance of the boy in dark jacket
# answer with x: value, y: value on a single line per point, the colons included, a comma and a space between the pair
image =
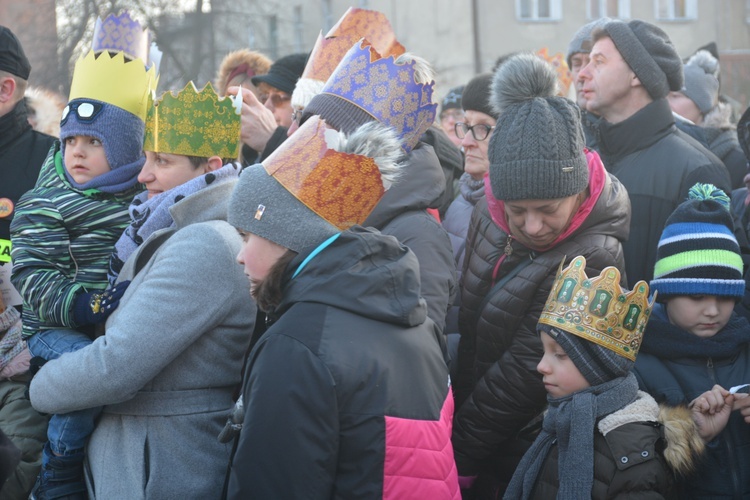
x: 696, y: 348
x: 601, y: 436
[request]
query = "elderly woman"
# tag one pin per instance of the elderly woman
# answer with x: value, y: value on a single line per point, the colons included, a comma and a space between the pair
x: 170, y: 361
x: 547, y: 198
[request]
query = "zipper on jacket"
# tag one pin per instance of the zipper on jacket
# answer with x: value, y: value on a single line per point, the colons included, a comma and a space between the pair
x: 508, y: 248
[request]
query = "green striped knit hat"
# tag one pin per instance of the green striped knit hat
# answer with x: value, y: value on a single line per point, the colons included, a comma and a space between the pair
x: 698, y: 253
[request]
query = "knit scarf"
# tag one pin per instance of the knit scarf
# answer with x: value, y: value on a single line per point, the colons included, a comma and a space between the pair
x: 668, y: 341
x: 150, y: 215
x: 11, y: 343
x: 115, y: 181
x: 571, y: 421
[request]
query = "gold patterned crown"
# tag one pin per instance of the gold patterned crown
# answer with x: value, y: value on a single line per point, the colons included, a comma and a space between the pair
x: 342, y: 188
x: 113, y: 80
x: 598, y: 309
x: 353, y: 25
x: 193, y: 123
x: 121, y: 33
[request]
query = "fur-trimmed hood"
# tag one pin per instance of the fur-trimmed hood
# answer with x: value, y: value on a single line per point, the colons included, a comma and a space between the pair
x: 258, y: 63
x: 44, y: 110
x: 684, y: 444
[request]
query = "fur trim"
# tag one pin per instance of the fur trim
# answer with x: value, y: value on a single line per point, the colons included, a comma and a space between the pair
x: 423, y: 71
x: 521, y: 78
x: 684, y: 444
x: 47, y: 107
x: 720, y: 117
x: 305, y: 90
x: 257, y: 61
x: 643, y: 409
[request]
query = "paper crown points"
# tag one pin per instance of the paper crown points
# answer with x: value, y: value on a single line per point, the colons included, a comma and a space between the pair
x: 354, y: 25
x: 560, y: 65
x: 387, y: 91
x: 193, y: 123
x: 113, y: 80
x: 342, y: 188
x: 598, y: 309
x: 121, y: 33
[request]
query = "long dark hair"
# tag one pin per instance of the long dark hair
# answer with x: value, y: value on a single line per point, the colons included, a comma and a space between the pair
x: 268, y: 292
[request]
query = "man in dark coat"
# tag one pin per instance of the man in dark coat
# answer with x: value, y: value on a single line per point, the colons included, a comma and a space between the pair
x: 632, y: 68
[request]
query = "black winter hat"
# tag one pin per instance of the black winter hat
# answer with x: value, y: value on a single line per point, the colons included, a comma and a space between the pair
x: 12, y: 58
x: 650, y: 54
x: 452, y: 99
x: 284, y: 73
x: 477, y: 95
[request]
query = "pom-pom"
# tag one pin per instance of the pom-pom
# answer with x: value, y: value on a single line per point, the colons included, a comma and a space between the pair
x: 520, y: 78
x: 709, y: 192
x: 705, y: 61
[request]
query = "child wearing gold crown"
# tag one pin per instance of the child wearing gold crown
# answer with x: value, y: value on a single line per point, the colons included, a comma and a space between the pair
x: 697, y: 348
x: 64, y: 232
x: 601, y: 437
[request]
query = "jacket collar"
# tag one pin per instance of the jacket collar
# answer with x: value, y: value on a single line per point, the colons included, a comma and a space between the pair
x: 644, y: 128
x: 13, y: 124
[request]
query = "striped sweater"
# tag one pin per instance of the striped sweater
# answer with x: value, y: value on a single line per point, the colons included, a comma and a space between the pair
x: 62, y: 238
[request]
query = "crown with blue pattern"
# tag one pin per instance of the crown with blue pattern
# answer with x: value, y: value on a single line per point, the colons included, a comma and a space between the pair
x: 121, y: 33
x: 382, y: 89
x: 698, y: 253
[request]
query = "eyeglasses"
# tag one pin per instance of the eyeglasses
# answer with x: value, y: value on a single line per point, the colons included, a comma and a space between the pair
x: 480, y: 131
x: 85, y: 110
x: 297, y: 115
x: 455, y: 115
x: 277, y: 98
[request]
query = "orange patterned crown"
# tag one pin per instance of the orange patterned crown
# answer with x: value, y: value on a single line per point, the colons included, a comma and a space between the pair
x: 353, y: 25
x: 386, y: 90
x: 561, y: 68
x: 341, y: 188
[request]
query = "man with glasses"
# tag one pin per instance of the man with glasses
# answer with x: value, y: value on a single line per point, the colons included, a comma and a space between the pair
x: 451, y: 113
x: 266, y: 119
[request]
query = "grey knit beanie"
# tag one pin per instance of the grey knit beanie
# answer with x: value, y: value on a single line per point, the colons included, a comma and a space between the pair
x: 650, y: 54
x: 262, y: 206
x: 581, y: 42
x: 701, y: 81
x: 477, y: 94
x: 597, y: 364
x: 536, y: 151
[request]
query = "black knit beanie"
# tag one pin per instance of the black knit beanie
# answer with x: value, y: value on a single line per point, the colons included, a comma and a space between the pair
x: 284, y: 73
x: 12, y: 58
x: 536, y: 151
x: 476, y: 96
x: 650, y: 54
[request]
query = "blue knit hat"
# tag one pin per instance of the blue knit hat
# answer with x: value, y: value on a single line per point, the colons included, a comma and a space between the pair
x: 698, y: 253
x: 121, y: 134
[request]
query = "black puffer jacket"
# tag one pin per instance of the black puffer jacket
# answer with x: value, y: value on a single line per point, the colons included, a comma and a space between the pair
x: 657, y: 164
x: 498, y: 388
x: 402, y: 213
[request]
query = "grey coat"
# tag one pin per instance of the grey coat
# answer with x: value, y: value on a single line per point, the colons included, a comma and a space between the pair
x: 168, y: 364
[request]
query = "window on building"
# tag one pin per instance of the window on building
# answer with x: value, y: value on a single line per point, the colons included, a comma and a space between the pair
x: 596, y: 9
x: 539, y: 10
x: 327, y: 16
x: 676, y: 10
x: 298, y: 29
x: 273, y: 37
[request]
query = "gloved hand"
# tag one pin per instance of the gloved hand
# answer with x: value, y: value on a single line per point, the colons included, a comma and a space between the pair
x: 91, y: 308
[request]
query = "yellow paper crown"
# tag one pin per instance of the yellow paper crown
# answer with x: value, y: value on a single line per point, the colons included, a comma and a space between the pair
x: 598, y: 309
x: 111, y: 79
x: 341, y: 188
x: 193, y: 123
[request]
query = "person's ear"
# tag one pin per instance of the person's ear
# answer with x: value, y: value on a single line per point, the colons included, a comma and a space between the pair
x: 7, y: 89
x: 214, y: 163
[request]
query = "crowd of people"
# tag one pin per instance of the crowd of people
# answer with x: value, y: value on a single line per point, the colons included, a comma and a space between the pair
x: 309, y: 279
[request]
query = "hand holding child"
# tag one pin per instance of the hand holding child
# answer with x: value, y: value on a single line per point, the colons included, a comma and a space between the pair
x: 711, y: 411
